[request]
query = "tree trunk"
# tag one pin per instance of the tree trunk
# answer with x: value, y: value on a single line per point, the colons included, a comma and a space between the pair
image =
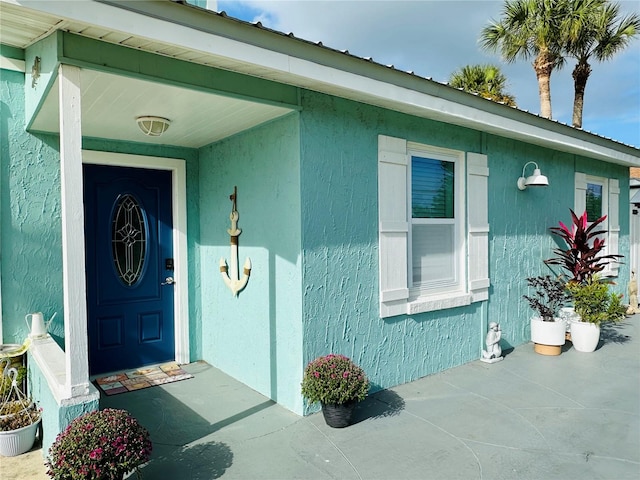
x: 543, y: 66
x: 580, y: 75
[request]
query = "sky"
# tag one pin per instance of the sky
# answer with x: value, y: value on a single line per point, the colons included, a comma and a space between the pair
x: 434, y: 38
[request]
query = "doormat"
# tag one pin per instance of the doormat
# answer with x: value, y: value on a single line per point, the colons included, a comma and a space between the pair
x: 129, y: 381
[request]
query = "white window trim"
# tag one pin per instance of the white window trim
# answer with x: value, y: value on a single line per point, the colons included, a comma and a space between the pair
x: 177, y: 168
x: 435, y: 293
x: 396, y: 298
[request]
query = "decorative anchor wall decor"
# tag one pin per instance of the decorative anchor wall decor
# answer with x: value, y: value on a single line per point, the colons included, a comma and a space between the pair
x: 233, y: 281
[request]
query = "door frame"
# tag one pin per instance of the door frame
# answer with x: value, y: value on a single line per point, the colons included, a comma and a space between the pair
x: 179, y: 211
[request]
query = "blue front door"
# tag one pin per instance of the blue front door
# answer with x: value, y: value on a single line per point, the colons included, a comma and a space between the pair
x: 129, y: 257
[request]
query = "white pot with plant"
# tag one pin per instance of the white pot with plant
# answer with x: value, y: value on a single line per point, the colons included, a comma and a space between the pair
x: 548, y: 331
x: 584, y: 259
x: 595, y: 304
x: 19, y: 418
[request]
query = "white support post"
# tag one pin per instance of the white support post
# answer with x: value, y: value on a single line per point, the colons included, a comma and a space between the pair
x: 73, y: 262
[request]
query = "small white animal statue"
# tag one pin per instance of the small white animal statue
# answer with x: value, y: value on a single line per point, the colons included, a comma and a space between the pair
x: 493, y: 353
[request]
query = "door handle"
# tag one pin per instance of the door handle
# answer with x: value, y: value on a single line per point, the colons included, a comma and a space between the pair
x: 168, y: 281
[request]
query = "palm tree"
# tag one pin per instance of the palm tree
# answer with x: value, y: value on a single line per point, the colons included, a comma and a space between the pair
x: 485, y: 80
x: 595, y: 29
x: 530, y: 29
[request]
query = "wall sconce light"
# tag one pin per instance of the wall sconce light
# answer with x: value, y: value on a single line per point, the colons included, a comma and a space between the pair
x: 535, y: 180
x: 153, y: 126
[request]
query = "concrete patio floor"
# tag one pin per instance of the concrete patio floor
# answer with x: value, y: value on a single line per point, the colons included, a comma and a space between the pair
x: 575, y: 416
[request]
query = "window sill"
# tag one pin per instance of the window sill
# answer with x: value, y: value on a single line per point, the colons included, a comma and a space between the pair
x: 430, y: 303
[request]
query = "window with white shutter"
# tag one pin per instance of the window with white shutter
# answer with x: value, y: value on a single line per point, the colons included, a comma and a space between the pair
x: 433, y: 243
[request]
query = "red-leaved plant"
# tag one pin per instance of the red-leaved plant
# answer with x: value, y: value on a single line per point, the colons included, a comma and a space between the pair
x: 582, y: 258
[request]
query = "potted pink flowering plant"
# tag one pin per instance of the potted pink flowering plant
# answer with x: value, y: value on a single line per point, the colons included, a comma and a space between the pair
x: 338, y: 384
x: 103, y: 445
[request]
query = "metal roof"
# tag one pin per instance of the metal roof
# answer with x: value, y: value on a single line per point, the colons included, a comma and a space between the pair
x: 283, y: 57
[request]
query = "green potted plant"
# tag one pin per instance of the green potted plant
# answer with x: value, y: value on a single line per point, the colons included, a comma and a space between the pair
x: 583, y: 259
x: 19, y: 416
x: 548, y: 331
x: 103, y: 444
x: 338, y: 384
x: 595, y: 304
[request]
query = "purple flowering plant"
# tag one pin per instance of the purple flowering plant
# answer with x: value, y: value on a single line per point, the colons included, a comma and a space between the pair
x: 104, y: 444
x: 334, y: 379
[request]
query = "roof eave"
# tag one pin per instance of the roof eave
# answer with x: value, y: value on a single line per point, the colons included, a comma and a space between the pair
x: 256, y: 50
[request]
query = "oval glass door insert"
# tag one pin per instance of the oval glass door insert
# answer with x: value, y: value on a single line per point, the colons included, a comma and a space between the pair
x: 128, y: 239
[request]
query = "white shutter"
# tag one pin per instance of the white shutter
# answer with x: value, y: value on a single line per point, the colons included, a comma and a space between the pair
x: 393, y: 225
x: 478, y: 226
x: 614, y: 224
x: 580, y: 202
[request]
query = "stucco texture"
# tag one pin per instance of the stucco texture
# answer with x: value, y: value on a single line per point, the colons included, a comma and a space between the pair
x: 257, y: 336
x: 30, y: 236
x: 340, y: 253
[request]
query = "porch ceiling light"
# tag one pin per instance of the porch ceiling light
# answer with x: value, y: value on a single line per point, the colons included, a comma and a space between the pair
x: 153, y: 126
x: 535, y: 180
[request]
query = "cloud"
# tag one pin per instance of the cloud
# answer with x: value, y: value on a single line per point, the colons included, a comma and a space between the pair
x: 434, y: 38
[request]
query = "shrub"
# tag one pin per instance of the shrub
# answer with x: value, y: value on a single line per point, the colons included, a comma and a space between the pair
x: 334, y: 379
x: 104, y: 444
x: 551, y: 294
x: 594, y: 303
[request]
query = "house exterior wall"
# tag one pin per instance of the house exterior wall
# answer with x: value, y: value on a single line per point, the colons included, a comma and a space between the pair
x: 307, y: 200
x: 30, y: 205
x: 340, y: 236
x: 257, y: 336
x: 30, y: 235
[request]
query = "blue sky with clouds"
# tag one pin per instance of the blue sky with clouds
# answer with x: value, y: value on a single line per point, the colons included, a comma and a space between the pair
x: 433, y: 38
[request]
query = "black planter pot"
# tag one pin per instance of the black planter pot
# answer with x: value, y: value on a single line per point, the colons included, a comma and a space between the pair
x: 338, y: 415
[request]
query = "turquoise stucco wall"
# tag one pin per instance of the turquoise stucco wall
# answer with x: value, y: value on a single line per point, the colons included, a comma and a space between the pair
x: 30, y: 235
x: 256, y: 337
x: 340, y: 253
x: 307, y: 198
x: 55, y: 418
x: 31, y: 232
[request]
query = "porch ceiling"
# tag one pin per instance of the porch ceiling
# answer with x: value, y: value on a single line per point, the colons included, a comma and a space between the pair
x: 111, y: 104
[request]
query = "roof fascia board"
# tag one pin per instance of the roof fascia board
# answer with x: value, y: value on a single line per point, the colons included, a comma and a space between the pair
x: 205, y: 31
x: 109, y: 57
x: 8, y: 63
x: 547, y: 135
x: 11, y: 52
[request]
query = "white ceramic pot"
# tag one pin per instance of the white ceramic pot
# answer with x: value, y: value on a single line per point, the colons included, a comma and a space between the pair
x: 585, y: 336
x: 548, y: 337
x: 548, y: 333
x: 16, y: 442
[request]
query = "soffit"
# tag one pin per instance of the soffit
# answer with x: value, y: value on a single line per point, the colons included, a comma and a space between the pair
x: 111, y: 103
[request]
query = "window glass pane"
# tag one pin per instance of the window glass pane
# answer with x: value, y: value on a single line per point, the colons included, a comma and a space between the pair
x: 128, y: 239
x: 431, y: 188
x: 433, y: 256
x: 594, y: 202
